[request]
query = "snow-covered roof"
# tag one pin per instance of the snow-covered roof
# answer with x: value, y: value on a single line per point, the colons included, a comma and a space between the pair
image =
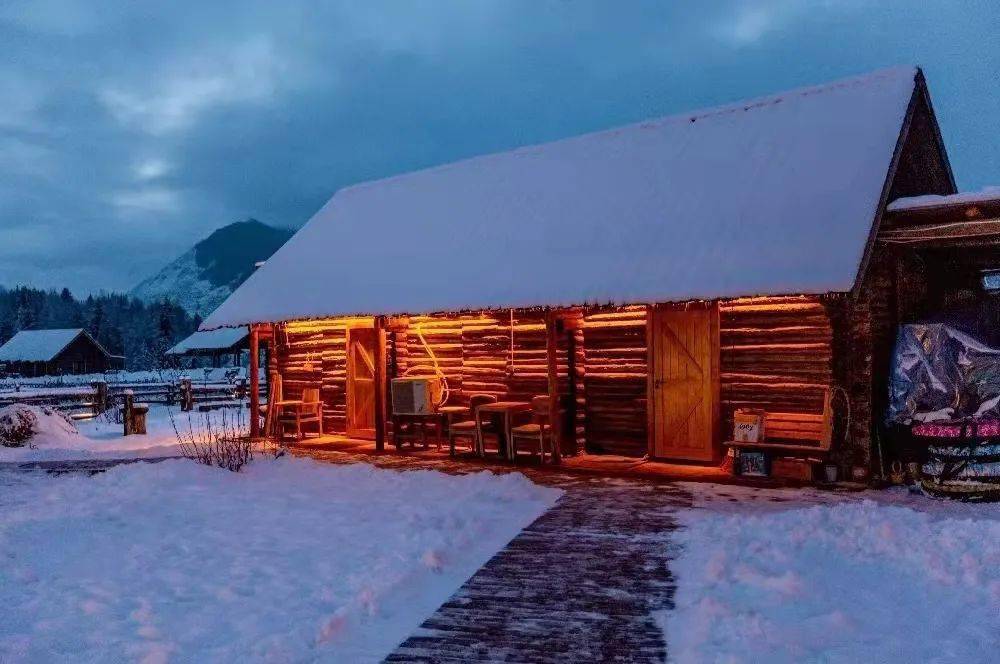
x: 774, y: 195
x: 37, y: 345
x: 985, y: 195
x: 207, y: 340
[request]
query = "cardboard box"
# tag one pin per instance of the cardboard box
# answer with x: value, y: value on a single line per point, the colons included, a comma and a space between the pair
x: 748, y: 425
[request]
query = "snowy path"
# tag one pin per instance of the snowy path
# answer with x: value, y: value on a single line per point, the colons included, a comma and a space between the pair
x: 580, y: 584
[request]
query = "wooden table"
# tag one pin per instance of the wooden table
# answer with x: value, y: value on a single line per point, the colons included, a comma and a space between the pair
x: 505, y: 408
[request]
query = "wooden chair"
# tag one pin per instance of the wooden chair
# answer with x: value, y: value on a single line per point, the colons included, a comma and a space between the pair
x: 467, y: 428
x: 307, y: 411
x: 538, y: 432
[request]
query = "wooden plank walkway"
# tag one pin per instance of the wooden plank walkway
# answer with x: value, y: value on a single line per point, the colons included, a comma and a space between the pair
x: 578, y: 585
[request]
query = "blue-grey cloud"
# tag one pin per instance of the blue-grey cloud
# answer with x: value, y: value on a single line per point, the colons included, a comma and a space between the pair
x: 129, y: 130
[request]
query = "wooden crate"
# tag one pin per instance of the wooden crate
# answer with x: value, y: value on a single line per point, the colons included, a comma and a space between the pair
x: 792, y: 469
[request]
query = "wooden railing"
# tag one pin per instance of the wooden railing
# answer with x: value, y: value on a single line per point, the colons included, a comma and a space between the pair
x: 87, y: 401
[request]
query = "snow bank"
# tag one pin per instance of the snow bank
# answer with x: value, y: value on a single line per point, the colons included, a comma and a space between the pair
x: 102, y: 438
x: 291, y: 560
x: 852, y: 581
x: 23, y: 426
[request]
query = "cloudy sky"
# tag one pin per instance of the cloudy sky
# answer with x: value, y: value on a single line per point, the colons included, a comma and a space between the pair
x: 128, y: 130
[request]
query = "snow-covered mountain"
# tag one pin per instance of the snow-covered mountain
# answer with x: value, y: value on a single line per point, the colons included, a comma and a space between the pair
x: 201, y: 278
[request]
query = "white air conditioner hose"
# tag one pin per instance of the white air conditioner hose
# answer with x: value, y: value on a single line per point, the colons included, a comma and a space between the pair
x: 436, y: 368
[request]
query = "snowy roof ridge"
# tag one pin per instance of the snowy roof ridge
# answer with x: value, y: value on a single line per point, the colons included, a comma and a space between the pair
x: 744, y: 105
x: 730, y: 204
x: 38, y: 345
x: 219, y: 339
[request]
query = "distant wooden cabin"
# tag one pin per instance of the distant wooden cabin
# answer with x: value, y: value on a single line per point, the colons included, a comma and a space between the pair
x: 216, y: 345
x: 659, y: 275
x: 51, y: 352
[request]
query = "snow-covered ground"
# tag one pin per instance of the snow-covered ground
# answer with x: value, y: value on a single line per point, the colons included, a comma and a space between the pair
x: 292, y: 560
x: 288, y: 561
x: 101, y: 438
x: 810, y: 576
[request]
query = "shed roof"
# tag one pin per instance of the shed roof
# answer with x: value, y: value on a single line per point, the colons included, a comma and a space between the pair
x: 209, y: 340
x: 989, y: 195
x: 774, y: 195
x: 40, y: 345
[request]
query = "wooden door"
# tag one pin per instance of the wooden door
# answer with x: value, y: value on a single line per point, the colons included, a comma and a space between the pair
x: 683, y: 390
x: 361, y: 382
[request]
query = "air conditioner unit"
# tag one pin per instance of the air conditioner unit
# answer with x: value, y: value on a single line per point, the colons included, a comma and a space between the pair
x: 418, y: 395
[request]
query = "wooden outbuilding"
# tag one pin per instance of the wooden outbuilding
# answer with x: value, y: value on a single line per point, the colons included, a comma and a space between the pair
x: 656, y: 277
x: 217, y: 345
x: 51, y: 352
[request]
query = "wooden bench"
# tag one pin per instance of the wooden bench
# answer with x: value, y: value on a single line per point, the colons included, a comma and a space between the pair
x: 792, y: 434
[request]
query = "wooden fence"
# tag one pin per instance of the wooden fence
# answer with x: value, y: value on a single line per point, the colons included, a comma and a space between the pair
x: 85, y: 402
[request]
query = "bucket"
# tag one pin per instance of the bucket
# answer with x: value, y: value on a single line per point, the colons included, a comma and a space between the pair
x: 830, y: 472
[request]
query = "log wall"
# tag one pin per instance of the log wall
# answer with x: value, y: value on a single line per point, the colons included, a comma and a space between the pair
x: 615, y: 380
x: 776, y: 354
x: 311, y: 353
x: 473, y: 351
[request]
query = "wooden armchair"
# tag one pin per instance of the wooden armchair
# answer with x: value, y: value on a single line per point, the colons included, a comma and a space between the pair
x: 537, y: 433
x: 467, y: 428
x: 307, y: 411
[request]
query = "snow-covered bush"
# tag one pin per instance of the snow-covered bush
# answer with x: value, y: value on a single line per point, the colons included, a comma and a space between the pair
x: 21, y: 424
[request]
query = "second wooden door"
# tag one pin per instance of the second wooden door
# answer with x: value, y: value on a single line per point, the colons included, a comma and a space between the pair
x: 683, y: 383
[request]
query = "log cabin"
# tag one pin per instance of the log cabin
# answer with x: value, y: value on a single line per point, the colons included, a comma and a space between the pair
x: 658, y: 276
x: 34, y: 353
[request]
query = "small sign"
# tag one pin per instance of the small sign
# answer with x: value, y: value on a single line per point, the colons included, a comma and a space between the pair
x: 748, y: 426
x: 752, y: 463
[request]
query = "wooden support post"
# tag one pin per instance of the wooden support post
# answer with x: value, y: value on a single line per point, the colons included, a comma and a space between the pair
x: 187, y: 394
x: 552, y: 358
x: 128, y: 401
x: 254, y: 371
x: 379, y: 380
x: 100, y: 396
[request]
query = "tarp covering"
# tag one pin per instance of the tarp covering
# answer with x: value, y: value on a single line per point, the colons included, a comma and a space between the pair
x: 768, y: 196
x: 941, y: 373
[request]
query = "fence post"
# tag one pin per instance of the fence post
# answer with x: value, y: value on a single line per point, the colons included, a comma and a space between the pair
x: 100, y: 396
x: 128, y: 401
x: 171, y: 394
x: 187, y: 395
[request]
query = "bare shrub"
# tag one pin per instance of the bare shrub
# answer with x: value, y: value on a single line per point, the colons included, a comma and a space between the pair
x: 223, y: 441
x: 17, y: 425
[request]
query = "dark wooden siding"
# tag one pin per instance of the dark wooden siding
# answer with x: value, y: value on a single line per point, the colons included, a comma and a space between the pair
x: 775, y: 354
x: 615, y: 380
x: 473, y: 351
x: 314, y: 353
